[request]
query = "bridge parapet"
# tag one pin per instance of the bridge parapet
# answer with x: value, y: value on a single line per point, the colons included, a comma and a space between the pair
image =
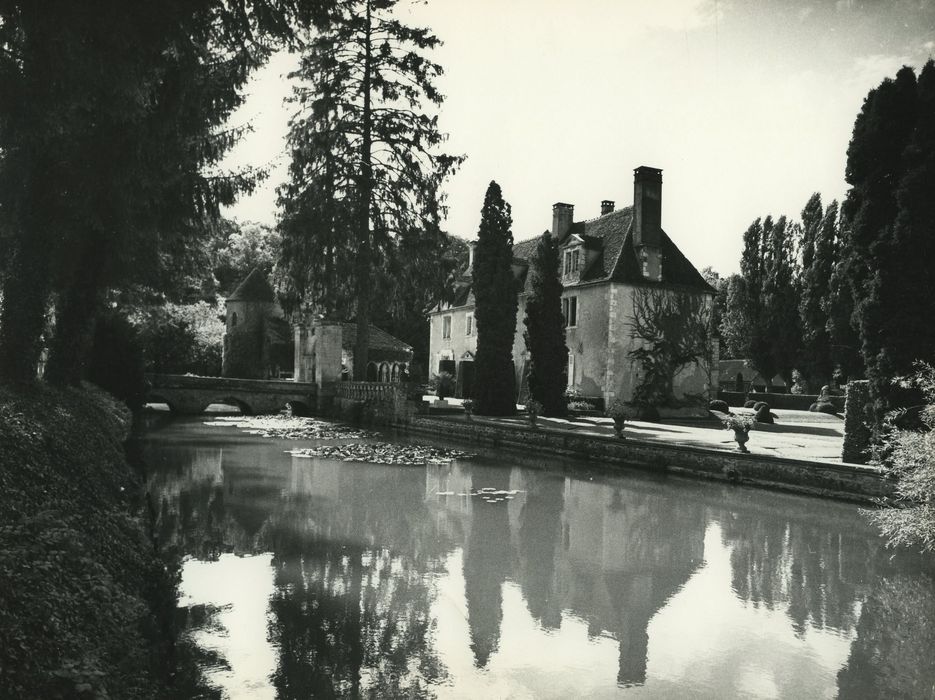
x: 189, y: 381
x: 191, y: 395
x: 381, y: 392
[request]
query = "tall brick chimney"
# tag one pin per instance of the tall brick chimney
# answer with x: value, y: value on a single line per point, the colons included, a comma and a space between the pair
x: 563, y: 216
x: 647, y: 220
x: 607, y: 206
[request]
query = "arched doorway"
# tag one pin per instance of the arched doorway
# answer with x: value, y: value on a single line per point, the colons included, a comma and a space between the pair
x: 466, y: 379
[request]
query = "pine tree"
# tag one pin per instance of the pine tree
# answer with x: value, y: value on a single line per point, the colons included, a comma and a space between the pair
x: 495, y: 308
x: 365, y: 160
x: 545, y: 330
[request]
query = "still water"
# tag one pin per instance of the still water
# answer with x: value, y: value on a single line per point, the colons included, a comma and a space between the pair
x: 323, y: 578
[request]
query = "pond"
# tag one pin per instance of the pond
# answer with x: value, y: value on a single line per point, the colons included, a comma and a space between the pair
x: 511, y: 576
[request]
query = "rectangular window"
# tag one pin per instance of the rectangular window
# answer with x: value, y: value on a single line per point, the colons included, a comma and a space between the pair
x: 446, y: 326
x: 469, y: 325
x: 570, y: 311
x: 572, y: 261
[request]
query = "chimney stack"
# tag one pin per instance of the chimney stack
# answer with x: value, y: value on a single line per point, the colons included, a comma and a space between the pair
x: 607, y: 206
x: 647, y: 220
x: 563, y: 216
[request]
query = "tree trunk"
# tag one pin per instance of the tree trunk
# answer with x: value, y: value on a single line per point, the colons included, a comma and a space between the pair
x: 76, y: 313
x: 365, y: 191
x: 23, y: 317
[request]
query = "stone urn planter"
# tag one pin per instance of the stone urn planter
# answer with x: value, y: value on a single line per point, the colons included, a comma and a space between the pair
x: 619, y: 412
x: 741, y: 437
x: 741, y: 426
x: 468, y: 406
x: 533, y: 408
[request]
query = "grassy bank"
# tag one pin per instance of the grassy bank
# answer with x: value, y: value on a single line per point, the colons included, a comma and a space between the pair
x: 85, y: 602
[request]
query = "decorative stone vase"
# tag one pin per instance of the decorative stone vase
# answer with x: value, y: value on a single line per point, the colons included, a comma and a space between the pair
x: 741, y: 437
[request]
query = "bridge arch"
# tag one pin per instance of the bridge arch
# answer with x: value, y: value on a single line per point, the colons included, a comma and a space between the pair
x: 159, y: 398
x: 244, y: 407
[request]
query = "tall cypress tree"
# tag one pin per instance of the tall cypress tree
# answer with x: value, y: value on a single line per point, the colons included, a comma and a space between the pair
x: 495, y: 308
x: 365, y: 160
x: 545, y: 330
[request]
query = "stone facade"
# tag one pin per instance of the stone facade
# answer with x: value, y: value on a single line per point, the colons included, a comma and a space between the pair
x: 604, y: 261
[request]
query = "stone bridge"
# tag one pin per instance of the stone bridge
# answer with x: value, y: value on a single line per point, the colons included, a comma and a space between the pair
x: 192, y: 395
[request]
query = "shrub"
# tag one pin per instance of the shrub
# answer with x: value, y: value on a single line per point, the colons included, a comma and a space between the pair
x: 581, y: 405
x: 759, y: 404
x: 647, y: 412
x: 856, y: 422
x: 444, y: 385
x: 718, y: 405
x: 762, y: 414
x: 822, y: 407
x: 749, y: 404
x: 912, y: 463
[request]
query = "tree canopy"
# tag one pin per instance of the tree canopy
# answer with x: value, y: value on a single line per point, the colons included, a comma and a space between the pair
x: 365, y: 181
x: 112, y: 126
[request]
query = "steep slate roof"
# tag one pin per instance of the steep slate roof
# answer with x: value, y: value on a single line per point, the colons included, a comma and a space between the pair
x: 611, y: 236
x: 255, y: 287
x: 379, y: 339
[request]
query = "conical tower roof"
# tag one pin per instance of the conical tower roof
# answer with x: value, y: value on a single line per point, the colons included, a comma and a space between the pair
x: 255, y: 287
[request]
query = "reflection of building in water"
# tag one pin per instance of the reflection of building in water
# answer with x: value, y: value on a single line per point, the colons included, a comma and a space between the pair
x: 626, y: 551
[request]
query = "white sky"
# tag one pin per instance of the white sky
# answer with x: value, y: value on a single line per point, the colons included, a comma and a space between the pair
x: 747, y: 106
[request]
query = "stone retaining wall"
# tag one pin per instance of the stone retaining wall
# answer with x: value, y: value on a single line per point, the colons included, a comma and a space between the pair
x: 381, y: 403
x: 847, y: 482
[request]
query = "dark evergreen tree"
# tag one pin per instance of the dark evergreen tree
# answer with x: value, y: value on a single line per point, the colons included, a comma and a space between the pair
x: 365, y: 161
x: 875, y: 167
x: 545, y: 330
x: 818, y: 257
x: 495, y: 301
x: 780, y: 320
x: 110, y: 123
x: 895, y: 312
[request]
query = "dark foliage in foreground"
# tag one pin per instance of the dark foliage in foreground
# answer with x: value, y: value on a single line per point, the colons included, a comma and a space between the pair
x: 85, y: 603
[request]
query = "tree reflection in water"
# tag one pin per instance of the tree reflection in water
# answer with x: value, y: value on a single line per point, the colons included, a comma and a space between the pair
x: 359, y: 552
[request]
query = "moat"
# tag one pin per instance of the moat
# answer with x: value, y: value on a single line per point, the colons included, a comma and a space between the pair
x: 512, y: 576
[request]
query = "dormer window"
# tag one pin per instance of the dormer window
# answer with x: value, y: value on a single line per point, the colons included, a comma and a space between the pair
x: 572, y: 261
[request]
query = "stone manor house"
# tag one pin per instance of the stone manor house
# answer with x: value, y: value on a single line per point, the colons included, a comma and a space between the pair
x: 604, y: 261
